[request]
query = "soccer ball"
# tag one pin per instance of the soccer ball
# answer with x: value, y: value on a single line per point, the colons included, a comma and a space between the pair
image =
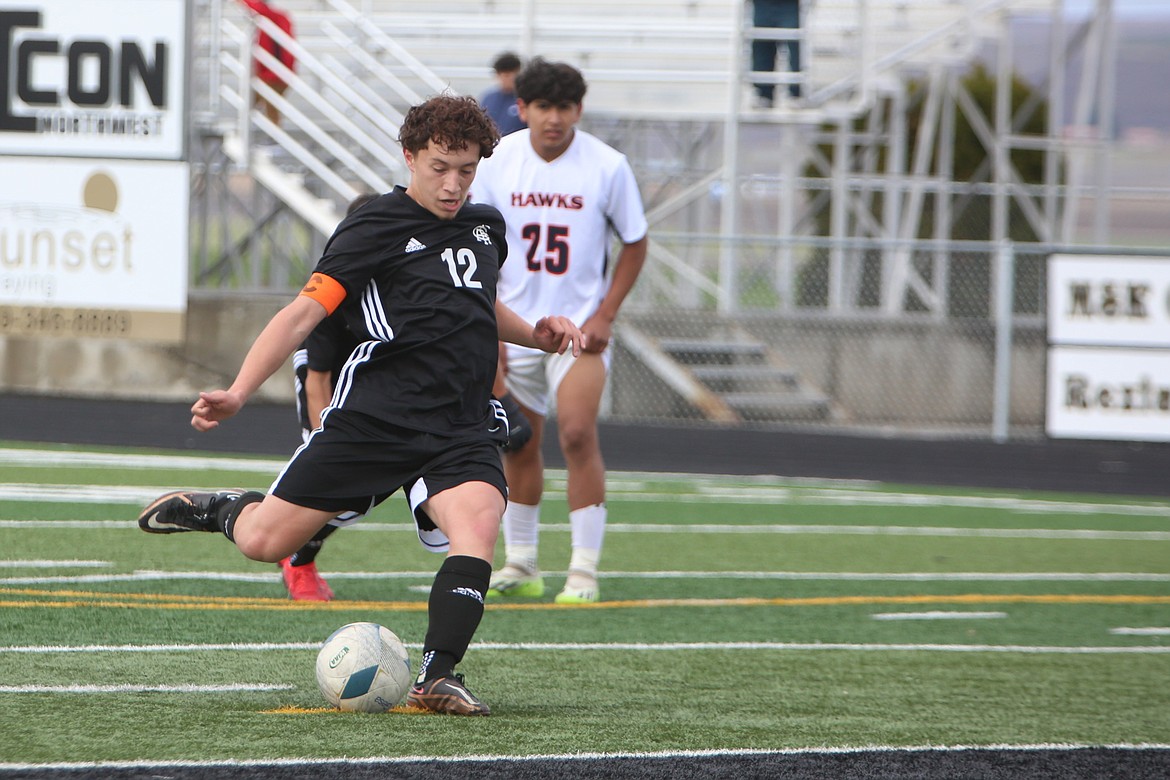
x: 363, y: 667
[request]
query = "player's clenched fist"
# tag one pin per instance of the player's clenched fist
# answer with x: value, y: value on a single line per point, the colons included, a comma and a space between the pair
x: 213, y: 407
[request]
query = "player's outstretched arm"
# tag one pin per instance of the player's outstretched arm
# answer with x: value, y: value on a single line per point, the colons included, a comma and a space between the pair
x: 550, y: 334
x: 283, y: 334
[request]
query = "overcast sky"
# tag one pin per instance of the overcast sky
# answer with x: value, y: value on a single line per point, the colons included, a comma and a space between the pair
x: 1121, y: 7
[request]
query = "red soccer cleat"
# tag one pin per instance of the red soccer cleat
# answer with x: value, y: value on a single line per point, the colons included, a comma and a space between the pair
x: 304, y: 583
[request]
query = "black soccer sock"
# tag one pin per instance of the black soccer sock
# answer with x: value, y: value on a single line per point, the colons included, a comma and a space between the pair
x: 454, y: 610
x: 227, y: 513
x: 308, y: 553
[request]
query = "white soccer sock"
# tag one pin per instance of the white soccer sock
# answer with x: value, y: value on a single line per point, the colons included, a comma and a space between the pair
x: 521, y: 529
x: 588, y: 530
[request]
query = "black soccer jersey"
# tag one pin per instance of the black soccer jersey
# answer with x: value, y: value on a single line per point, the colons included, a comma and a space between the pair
x: 420, y: 297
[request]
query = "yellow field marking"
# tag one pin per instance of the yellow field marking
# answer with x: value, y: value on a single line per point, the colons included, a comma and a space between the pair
x: 64, y: 599
x: 74, y: 598
x: 290, y: 709
x: 837, y: 601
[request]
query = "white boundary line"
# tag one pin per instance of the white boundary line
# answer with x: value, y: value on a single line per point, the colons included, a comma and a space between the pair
x: 224, y: 462
x: 637, y: 492
x: 35, y: 457
x: 46, y: 564
x: 227, y: 688
x: 188, y: 648
x: 623, y: 485
x: 713, y: 528
x: 938, y: 615
x: 615, y: 646
x: 151, y: 576
x: 1147, y: 631
x: 670, y: 754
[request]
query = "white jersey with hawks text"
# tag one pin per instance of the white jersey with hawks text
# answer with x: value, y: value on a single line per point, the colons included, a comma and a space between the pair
x: 420, y: 297
x: 561, y: 217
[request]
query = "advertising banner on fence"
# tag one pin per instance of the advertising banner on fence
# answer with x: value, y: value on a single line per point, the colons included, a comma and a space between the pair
x: 93, y: 248
x: 93, y: 78
x: 1103, y: 393
x: 1109, y: 301
x: 1109, y: 348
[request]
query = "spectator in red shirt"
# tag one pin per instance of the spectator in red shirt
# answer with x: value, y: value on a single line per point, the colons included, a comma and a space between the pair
x: 266, y: 42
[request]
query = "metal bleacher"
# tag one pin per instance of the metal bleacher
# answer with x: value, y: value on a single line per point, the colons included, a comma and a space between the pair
x: 361, y: 63
x: 657, y: 58
x: 669, y: 83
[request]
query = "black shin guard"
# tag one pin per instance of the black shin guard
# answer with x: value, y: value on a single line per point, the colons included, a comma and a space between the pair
x: 227, y: 515
x: 308, y: 553
x: 454, y: 610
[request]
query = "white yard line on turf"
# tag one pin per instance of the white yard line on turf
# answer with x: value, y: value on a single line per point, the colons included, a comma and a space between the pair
x: 141, y: 494
x: 45, y: 564
x: 32, y: 457
x: 627, y: 486
x: 228, y: 576
x: 566, y: 757
x: 162, y: 460
x: 622, y: 647
x: 714, y: 528
x: 228, y: 688
x: 1147, y: 631
x: 350, y: 761
x: 935, y: 614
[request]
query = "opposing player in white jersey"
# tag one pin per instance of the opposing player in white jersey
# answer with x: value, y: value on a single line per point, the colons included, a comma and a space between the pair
x: 564, y: 195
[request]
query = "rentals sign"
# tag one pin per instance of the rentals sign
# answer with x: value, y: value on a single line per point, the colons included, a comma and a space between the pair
x: 1109, y: 347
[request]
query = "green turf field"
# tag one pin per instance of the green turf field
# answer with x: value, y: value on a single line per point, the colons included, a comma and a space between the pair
x: 739, y: 613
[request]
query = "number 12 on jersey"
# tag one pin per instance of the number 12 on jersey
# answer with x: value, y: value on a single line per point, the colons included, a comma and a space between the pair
x: 464, y: 260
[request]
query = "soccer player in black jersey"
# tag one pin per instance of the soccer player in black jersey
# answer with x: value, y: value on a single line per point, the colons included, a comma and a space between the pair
x: 414, y: 275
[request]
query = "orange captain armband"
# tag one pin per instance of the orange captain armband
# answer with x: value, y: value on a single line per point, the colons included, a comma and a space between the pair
x: 325, y: 290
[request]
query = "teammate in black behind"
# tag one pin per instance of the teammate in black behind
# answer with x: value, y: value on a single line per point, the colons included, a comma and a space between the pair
x: 414, y: 274
x: 317, y: 365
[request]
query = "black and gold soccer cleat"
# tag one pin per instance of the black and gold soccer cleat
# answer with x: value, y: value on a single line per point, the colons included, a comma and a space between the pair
x: 184, y: 510
x: 446, y: 695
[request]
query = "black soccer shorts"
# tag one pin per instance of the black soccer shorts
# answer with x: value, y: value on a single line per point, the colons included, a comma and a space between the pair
x: 355, y: 462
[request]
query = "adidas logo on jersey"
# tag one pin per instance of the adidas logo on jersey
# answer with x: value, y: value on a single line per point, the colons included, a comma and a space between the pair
x: 414, y: 245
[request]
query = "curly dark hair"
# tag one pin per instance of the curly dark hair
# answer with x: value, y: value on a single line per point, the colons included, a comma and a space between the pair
x: 556, y: 82
x: 454, y: 122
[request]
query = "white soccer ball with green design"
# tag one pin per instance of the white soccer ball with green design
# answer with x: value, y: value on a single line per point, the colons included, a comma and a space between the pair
x: 363, y: 667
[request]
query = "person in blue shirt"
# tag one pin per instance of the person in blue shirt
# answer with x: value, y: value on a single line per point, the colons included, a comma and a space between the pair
x: 500, y: 101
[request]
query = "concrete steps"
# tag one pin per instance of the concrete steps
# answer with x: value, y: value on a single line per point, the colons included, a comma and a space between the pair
x: 745, y: 377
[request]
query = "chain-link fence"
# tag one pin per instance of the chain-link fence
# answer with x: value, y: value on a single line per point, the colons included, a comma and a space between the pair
x: 857, y: 369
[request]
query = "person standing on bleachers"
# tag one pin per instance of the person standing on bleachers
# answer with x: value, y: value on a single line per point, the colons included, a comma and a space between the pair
x: 267, y: 43
x: 783, y: 14
x: 500, y: 101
